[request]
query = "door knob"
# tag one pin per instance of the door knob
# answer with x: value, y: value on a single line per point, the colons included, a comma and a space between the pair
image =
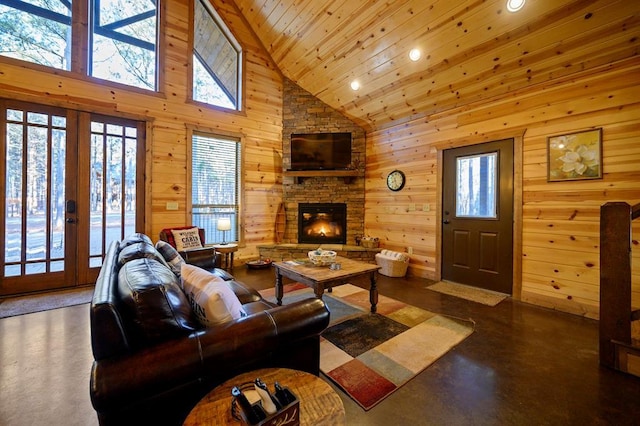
x: 446, y: 221
x: 71, y: 220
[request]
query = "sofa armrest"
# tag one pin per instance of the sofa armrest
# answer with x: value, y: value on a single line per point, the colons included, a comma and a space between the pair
x: 206, y: 258
x: 108, y: 334
x: 213, y: 355
x: 244, y: 293
x: 243, y: 341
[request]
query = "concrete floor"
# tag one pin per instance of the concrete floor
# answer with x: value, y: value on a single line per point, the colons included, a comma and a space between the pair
x: 523, y: 365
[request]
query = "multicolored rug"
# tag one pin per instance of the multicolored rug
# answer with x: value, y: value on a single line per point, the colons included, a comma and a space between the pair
x: 369, y: 356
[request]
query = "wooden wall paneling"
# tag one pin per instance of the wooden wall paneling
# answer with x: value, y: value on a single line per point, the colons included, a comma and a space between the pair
x: 560, y: 220
x: 541, y: 291
x: 526, y: 102
x: 562, y: 242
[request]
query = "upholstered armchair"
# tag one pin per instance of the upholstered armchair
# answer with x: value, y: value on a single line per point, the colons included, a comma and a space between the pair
x: 192, y: 251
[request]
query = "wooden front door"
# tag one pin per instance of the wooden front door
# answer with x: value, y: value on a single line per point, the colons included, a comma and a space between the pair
x: 477, y: 215
x: 71, y: 183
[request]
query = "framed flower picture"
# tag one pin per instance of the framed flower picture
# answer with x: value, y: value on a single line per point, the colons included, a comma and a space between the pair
x: 575, y: 156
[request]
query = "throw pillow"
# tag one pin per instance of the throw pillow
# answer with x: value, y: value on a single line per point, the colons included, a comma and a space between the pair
x: 171, y: 255
x: 212, y: 300
x: 187, y: 238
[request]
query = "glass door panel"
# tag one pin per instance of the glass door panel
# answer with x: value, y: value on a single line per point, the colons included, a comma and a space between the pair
x: 35, y: 159
x: 72, y: 183
x: 113, y: 184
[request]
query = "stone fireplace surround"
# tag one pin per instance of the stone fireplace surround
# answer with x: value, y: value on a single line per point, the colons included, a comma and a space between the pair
x: 304, y: 113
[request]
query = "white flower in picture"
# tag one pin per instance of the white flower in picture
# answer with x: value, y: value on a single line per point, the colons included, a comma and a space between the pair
x: 575, y: 156
x: 580, y: 160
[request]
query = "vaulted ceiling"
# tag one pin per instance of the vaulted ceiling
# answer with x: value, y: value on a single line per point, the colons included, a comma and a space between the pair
x: 473, y: 51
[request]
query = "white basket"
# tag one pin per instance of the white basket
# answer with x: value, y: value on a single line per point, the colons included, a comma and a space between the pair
x: 322, y: 257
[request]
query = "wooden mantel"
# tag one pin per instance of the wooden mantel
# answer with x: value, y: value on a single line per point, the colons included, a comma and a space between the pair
x: 348, y: 175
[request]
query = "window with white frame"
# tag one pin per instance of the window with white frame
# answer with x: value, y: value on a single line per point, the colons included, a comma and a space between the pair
x: 121, y: 45
x: 215, y: 185
x: 217, y: 64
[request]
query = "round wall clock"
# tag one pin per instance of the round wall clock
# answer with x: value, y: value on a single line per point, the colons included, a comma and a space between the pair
x: 396, y: 180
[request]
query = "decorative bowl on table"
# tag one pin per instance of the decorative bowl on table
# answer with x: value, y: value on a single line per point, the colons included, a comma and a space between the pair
x: 321, y: 257
x: 259, y: 264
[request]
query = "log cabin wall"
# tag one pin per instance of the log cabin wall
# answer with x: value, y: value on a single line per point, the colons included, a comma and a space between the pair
x: 559, y: 221
x: 169, y: 114
x: 556, y: 224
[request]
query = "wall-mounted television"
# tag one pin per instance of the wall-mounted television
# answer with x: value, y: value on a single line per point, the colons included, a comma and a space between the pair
x: 320, y: 151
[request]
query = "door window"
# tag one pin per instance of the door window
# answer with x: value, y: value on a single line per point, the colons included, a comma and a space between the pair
x: 476, y: 183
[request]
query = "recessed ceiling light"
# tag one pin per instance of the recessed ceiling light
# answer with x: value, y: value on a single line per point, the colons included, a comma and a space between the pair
x: 355, y: 85
x: 515, y: 5
x: 414, y: 54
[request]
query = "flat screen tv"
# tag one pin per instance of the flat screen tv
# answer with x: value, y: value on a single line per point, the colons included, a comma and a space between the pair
x: 320, y: 151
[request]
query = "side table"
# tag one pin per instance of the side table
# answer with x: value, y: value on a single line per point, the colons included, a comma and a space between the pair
x: 227, y: 251
x: 319, y: 403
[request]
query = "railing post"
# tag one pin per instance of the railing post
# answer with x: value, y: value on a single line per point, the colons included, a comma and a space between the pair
x: 615, y: 279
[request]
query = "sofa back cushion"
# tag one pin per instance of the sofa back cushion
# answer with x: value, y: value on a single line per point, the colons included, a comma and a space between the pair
x: 139, y: 250
x: 154, y: 304
x: 136, y: 237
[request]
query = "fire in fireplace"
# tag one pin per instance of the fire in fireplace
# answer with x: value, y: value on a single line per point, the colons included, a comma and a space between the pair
x: 322, y: 223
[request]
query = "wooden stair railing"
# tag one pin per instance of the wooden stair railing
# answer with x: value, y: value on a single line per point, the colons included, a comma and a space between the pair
x: 616, y: 349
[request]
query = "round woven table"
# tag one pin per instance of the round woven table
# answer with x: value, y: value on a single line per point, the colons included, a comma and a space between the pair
x: 319, y: 403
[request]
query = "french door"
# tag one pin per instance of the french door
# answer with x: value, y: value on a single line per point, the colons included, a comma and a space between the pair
x: 72, y: 182
x: 477, y: 215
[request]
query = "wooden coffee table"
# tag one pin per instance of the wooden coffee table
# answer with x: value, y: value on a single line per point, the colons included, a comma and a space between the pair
x: 319, y: 403
x: 321, y: 277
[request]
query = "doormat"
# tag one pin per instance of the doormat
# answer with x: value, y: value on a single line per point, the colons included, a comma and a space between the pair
x: 20, y: 305
x: 474, y: 294
x: 369, y: 356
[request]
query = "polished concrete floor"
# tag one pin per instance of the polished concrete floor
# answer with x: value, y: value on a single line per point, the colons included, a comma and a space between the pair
x: 523, y: 365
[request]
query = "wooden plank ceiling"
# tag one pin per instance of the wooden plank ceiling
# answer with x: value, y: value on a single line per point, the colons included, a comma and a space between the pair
x: 472, y: 51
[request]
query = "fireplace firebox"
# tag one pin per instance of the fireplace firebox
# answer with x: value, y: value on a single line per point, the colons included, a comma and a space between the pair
x: 322, y: 223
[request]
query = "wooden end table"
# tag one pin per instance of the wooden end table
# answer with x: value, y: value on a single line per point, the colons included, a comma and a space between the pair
x: 321, y: 277
x: 319, y: 403
x: 227, y: 251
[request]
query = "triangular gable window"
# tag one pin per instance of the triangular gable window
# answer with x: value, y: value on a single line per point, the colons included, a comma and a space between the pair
x: 216, y: 60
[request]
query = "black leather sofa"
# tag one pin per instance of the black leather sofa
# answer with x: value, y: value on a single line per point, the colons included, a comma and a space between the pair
x: 153, y: 362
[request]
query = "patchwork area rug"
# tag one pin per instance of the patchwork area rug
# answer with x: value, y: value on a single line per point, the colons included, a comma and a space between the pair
x: 13, y: 306
x: 369, y: 356
x: 474, y: 294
